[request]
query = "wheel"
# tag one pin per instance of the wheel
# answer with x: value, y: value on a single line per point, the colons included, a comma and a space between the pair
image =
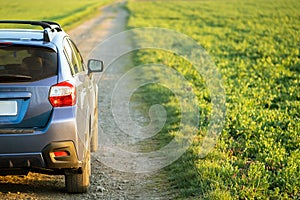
x: 94, y: 140
x: 79, y: 183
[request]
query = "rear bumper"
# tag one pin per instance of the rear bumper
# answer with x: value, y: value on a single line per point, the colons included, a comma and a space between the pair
x: 21, y: 160
x: 43, y: 160
x: 67, y: 161
x: 35, y: 150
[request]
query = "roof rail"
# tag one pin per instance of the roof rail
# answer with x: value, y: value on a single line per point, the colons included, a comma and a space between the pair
x: 48, y: 26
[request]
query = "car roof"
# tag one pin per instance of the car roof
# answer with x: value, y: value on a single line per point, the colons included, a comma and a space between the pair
x: 21, y: 34
x: 28, y: 36
x: 25, y: 37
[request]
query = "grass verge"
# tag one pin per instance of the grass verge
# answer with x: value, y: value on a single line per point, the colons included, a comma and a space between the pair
x: 255, y: 46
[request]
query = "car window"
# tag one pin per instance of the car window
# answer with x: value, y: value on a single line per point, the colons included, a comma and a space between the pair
x: 22, y: 63
x: 81, y: 66
x: 74, y: 58
x: 70, y: 56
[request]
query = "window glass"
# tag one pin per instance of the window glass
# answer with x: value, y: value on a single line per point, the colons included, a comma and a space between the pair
x: 70, y: 56
x: 80, y: 64
x: 20, y: 63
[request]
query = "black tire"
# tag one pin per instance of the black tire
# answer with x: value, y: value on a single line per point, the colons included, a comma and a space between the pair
x: 79, y: 183
x: 94, y: 140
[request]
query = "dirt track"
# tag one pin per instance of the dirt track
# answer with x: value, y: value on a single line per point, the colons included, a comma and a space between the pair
x: 106, y: 183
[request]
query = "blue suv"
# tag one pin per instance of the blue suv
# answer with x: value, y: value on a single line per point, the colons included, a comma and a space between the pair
x: 48, y: 104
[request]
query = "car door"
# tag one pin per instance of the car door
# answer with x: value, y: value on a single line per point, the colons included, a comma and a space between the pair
x: 81, y: 79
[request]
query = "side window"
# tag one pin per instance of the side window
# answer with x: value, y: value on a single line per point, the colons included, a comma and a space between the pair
x: 74, y: 58
x: 81, y: 66
x: 70, y: 56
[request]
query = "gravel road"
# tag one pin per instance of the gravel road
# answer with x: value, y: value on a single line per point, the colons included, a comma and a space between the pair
x: 106, y: 182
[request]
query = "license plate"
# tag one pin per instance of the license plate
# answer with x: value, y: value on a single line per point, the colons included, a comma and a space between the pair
x: 8, y: 108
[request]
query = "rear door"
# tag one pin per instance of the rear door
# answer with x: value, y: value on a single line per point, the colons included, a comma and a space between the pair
x: 82, y: 84
x: 26, y: 75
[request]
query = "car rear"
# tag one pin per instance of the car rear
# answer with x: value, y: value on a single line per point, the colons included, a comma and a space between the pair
x: 47, y: 105
x: 35, y: 110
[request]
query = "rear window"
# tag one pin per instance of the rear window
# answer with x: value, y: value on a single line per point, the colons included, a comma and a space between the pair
x: 19, y: 63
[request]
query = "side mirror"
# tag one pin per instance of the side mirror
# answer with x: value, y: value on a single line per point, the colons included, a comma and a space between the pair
x: 95, y: 65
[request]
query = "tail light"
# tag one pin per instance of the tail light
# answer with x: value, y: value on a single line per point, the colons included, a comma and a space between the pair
x: 62, y: 94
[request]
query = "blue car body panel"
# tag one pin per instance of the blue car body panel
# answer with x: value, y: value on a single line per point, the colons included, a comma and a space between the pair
x: 32, y: 128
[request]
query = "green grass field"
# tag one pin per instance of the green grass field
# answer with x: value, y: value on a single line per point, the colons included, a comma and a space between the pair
x: 68, y: 12
x: 256, y: 47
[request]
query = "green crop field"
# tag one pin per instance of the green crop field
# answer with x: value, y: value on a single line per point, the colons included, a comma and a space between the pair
x: 67, y: 12
x: 256, y: 47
